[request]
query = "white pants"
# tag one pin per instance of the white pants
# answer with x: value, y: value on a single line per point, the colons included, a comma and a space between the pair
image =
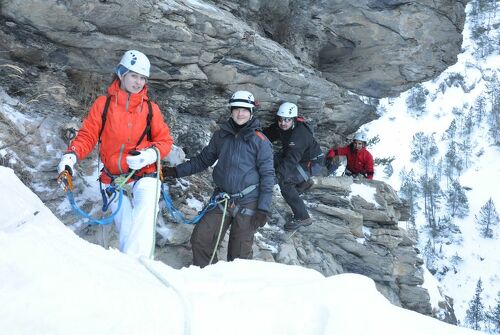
x: 136, y: 218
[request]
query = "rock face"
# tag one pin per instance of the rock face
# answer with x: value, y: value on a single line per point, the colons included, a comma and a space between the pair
x: 57, y: 56
x: 311, y: 53
x: 372, y: 47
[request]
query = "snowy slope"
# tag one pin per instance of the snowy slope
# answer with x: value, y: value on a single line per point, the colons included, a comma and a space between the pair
x: 396, y: 127
x: 54, y: 282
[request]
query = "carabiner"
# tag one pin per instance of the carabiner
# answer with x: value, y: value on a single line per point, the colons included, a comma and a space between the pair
x: 65, y: 181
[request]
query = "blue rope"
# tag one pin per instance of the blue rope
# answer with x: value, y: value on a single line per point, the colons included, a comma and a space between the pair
x: 103, y: 221
x: 177, y: 215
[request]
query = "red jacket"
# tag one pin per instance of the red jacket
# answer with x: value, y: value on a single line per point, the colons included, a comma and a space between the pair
x: 125, y: 122
x: 358, y: 161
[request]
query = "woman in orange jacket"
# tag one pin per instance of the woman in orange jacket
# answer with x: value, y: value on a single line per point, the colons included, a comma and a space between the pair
x: 359, y: 160
x: 131, y: 133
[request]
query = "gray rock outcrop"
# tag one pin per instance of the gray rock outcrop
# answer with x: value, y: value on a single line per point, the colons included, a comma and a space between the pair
x: 201, y: 51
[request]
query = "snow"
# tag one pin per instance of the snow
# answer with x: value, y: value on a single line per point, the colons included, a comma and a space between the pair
x: 364, y: 191
x: 396, y: 127
x: 432, y: 286
x: 54, y: 282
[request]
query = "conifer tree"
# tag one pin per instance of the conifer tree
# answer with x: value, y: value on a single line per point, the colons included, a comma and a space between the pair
x: 465, y: 149
x: 493, y: 315
x: 452, y: 130
x: 457, y: 202
x: 432, y: 197
x: 493, y: 89
x: 468, y: 123
x: 455, y: 261
x: 487, y: 219
x: 416, y: 100
x: 480, y: 108
x: 452, y: 162
x: 475, y: 313
x: 430, y: 257
x: 423, y: 150
x: 409, y: 191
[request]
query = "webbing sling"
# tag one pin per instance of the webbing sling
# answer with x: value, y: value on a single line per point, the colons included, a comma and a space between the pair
x: 246, y: 191
x: 147, y: 130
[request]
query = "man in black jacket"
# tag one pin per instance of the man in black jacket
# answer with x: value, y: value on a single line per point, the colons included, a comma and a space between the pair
x: 244, y: 171
x: 299, y: 158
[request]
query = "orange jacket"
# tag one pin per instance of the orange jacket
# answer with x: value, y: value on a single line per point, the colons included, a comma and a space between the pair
x: 125, y: 123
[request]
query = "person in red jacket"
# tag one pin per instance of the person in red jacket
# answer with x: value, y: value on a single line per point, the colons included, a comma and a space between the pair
x: 119, y: 122
x: 359, y: 159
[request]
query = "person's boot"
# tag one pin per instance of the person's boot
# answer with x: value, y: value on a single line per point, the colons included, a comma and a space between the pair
x: 304, y: 186
x: 296, y: 224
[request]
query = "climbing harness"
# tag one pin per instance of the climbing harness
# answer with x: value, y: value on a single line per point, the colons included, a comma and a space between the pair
x: 216, y: 200
x: 220, y: 199
x: 66, y: 181
x: 177, y: 215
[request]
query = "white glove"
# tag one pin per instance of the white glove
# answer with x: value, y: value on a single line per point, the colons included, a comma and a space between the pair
x: 67, y: 162
x: 144, y: 158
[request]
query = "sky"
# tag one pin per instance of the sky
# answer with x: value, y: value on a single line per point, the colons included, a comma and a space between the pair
x: 53, y: 282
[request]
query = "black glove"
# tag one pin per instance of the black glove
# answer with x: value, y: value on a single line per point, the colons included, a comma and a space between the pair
x: 260, y: 218
x: 169, y: 171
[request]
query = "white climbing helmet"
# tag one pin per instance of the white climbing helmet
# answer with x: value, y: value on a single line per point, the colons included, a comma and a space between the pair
x: 243, y: 99
x: 360, y: 136
x: 288, y: 109
x: 136, y: 61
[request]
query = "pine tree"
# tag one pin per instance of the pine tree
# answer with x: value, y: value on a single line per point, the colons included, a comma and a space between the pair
x: 430, y: 257
x: 416, y: 100
x: 423, y: 150
x: 482, y: 29
x: 465, y: 149
x: 457, y: 202
x: 409, y: 191
x: 494, y: 122
x: 487, y: 218
x: 452, y: 162
x: 480, y: 108
x: 493, y: 315
x: 493, y: 90
x: 451, y: 131
x: 468, y: 123
x: 475, y: 313
x: 432, y: 197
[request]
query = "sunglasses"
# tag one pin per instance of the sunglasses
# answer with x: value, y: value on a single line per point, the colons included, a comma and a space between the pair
x: 285, y: 119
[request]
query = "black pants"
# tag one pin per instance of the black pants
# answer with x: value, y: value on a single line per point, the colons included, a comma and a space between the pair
x: 292, y: 198
x: 291, y: 195
x: 241, y: 234
x: 289, y: 186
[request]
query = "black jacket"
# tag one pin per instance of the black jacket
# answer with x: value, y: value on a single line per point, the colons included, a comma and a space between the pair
x: 298, y: 146
x: 244, y: 157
